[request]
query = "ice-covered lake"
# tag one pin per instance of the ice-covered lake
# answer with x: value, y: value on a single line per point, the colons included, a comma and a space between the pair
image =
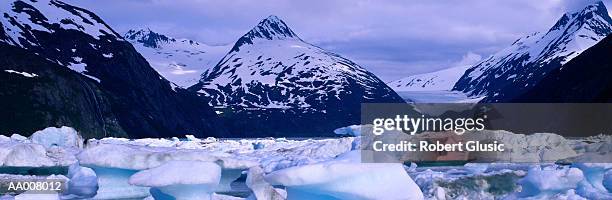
x: 282, y: 168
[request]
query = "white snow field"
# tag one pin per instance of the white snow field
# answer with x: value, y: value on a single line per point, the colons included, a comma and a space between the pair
x: 181, y: 61
x: 280, y: 168
x: 442, y: 80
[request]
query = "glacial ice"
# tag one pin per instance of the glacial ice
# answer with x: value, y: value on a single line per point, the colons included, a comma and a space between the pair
x: 17, y: 154
x: 19, y: 151
x: 538, y: 181
x: 32, y: 195
x: 37, y: 196
x: 262, y: 190
x: 607, y: 181
x: 131, y: 158
x: 322, y: 167
x: 82, y: 183
x: 276, y: 154
x: 18, y: 138
x: 346, y: 180
x: 63, y: 136
x: 353, y: 130
x: 171, y: 179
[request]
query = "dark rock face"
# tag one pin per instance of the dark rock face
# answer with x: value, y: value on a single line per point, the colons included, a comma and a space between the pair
x: 272, y: 83
x: 508, y: 73
x: 143, y: 102
x: 584, y: 79
x: 54, y: 96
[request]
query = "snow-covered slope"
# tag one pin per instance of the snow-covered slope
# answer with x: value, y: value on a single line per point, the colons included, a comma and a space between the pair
x: 181, y: 61
x: 434, y: 81
x: 271, y: 67
x: 509, y: 72
x: 88, y: 77
x: 23, y: 22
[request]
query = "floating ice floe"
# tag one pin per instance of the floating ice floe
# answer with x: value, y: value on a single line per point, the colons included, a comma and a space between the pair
x: 171, y: 179
x: 262, y: 190
x: 50, y: 147
x: 272, y: 154
x: 82, y: 183
x: 353, y: 130
x: 346, y: 180
x: 34, y: 195
x: 548, y: 181
x: 114, y: 169
x: 24, y: 153
x: 593, y: 185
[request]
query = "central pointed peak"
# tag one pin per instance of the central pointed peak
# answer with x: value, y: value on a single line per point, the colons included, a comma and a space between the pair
x: 271, y: 28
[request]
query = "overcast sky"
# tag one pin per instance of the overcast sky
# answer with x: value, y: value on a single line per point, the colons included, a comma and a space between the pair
x: 393, y: 39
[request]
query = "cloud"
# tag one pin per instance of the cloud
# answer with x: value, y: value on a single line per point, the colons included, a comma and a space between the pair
x: 577, y: 5
x: 469, y: 58
x: 391, y: 37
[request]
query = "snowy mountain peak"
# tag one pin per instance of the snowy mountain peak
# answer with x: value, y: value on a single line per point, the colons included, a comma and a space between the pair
x: 21, y: 19
x: 594, y: 16
x: 148, y: 38
x: 275, y: 69
x: 521, y: 65
x: 597, y: 7
x: 271, y: 28
x: 151, y: 39
x: 179, y: 60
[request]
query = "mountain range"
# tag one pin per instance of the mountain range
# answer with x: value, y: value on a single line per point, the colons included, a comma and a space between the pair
x: 274, y: 73
x: 86, y: 76
x: 584, y: 79
x: 64, y: 66
x: 512, y: 71
x: 181, y: 61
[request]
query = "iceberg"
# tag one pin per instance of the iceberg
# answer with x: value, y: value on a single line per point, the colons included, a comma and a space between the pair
x: 63, y: 136
x: 549, y: 181
x: 231, y: 172
x: 262, y: 190
x: 17, y: 154
x: 114, y: 169
x: 18, y: 138
x: 593, y: 185
x: 352, y: 130
x: 33, y: 195
x: 170, y: 178
x: 594, y: 173
x: 82, y: 183
x: 346, y: 180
